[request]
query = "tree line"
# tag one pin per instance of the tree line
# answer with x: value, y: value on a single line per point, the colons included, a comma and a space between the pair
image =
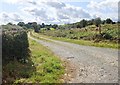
x: 37, y: 27
x: 80, y: 24
x: 84, y: 23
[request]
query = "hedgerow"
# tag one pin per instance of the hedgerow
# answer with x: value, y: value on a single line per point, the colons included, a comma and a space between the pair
x: 14, y: 43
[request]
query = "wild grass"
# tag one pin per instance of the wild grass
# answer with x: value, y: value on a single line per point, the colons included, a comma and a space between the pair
x: 80, y: 42
x: 109, y: 37
x: 41, y: 67
x: 48, y: 67
x: 89, y: 43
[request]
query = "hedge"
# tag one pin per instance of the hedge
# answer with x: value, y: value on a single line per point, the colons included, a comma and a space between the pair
x: 14, y: 43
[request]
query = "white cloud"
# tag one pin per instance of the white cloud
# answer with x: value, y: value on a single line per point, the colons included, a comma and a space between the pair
x: 14, y: 1
x: 103, y: 5
x: 104, y: 9
x: 57, y: 11
x: 55, y: 4
x: 11, y: 17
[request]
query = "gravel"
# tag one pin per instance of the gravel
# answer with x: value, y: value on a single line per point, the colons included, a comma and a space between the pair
x: 94, y: 64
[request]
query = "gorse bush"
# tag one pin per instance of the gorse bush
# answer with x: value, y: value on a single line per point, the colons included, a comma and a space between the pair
x: 14, y: 43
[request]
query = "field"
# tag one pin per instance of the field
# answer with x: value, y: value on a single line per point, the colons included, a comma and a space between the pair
x: 88, y: 36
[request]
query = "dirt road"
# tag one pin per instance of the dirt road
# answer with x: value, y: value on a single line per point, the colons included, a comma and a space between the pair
x: 93, y: 64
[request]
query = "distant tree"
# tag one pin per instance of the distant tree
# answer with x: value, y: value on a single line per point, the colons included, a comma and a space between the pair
x: 97, y: 21
x: 43, y: 25
x: 21, y: 24
x: 78, y: 25
x: 28, y: 25
x: 10, y: 23
x: 113, y: 22
x: 36, y: 29
x: 103, y: 22
x: 83, y: 23
x: 54, y: 26
x: 109, y: 21
x: 118, y: 22
x: 90, y: 22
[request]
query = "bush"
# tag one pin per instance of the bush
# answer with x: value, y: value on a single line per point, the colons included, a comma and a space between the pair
x: 15, y: 43
x: 106, y: 36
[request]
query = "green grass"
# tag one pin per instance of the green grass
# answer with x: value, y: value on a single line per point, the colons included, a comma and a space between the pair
x: 49, y: 68
x: 89, y: 43
x: 80, y: 42
x: 41, y: 67
x: 108, y: 38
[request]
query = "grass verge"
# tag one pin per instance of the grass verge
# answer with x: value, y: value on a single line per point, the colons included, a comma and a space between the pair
x: 89, y: 43
x: 80, y: 42
x: 41, y: 67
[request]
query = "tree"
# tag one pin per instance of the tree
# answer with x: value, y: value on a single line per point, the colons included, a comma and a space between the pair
x: 109, y: 21
x: 78, y: 25
x: 90, y: 22
x: 43, y: 25
x: 83, y: 23
x: 97, y: 21
x: 54, y: 26
x: 10, y: 23
x: 103, y: 22
x: 36, y: 29
x: 21, y: 24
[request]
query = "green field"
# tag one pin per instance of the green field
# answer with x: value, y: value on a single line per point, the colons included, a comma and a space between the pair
x: 108, y: 38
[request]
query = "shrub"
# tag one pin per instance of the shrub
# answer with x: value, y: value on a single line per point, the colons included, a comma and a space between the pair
x: 106, y: 36
x: 14, y: 43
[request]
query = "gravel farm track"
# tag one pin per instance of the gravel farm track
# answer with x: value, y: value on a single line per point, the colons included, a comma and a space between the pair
x: 91, y: 64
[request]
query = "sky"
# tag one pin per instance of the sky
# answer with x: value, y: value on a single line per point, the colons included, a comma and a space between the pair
x: 56, y: 11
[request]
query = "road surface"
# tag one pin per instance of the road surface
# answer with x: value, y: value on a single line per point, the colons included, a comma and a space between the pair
x: 93, y: 64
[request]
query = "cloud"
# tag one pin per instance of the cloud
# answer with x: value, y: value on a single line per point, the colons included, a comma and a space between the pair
x: 16, y: 17
x: 74, y: 12
x: 62, y: 16
x: 11, y: 17
x: 103, y: 5
x: 57, y: 5
x: 32, y: 2
x: 54, y: 11
x: 14, y: 1
x: 104, y: 9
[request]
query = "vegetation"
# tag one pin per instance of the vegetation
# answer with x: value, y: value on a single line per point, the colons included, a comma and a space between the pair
x: 15, y: 48
x: 15, y: 43
x: 88, y: 36
x: 29, y: 62
x: 37, y: 27
x: 40, y: 66
x: 80, y: 42
x: 109, y: 33
x: 48, y: 67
